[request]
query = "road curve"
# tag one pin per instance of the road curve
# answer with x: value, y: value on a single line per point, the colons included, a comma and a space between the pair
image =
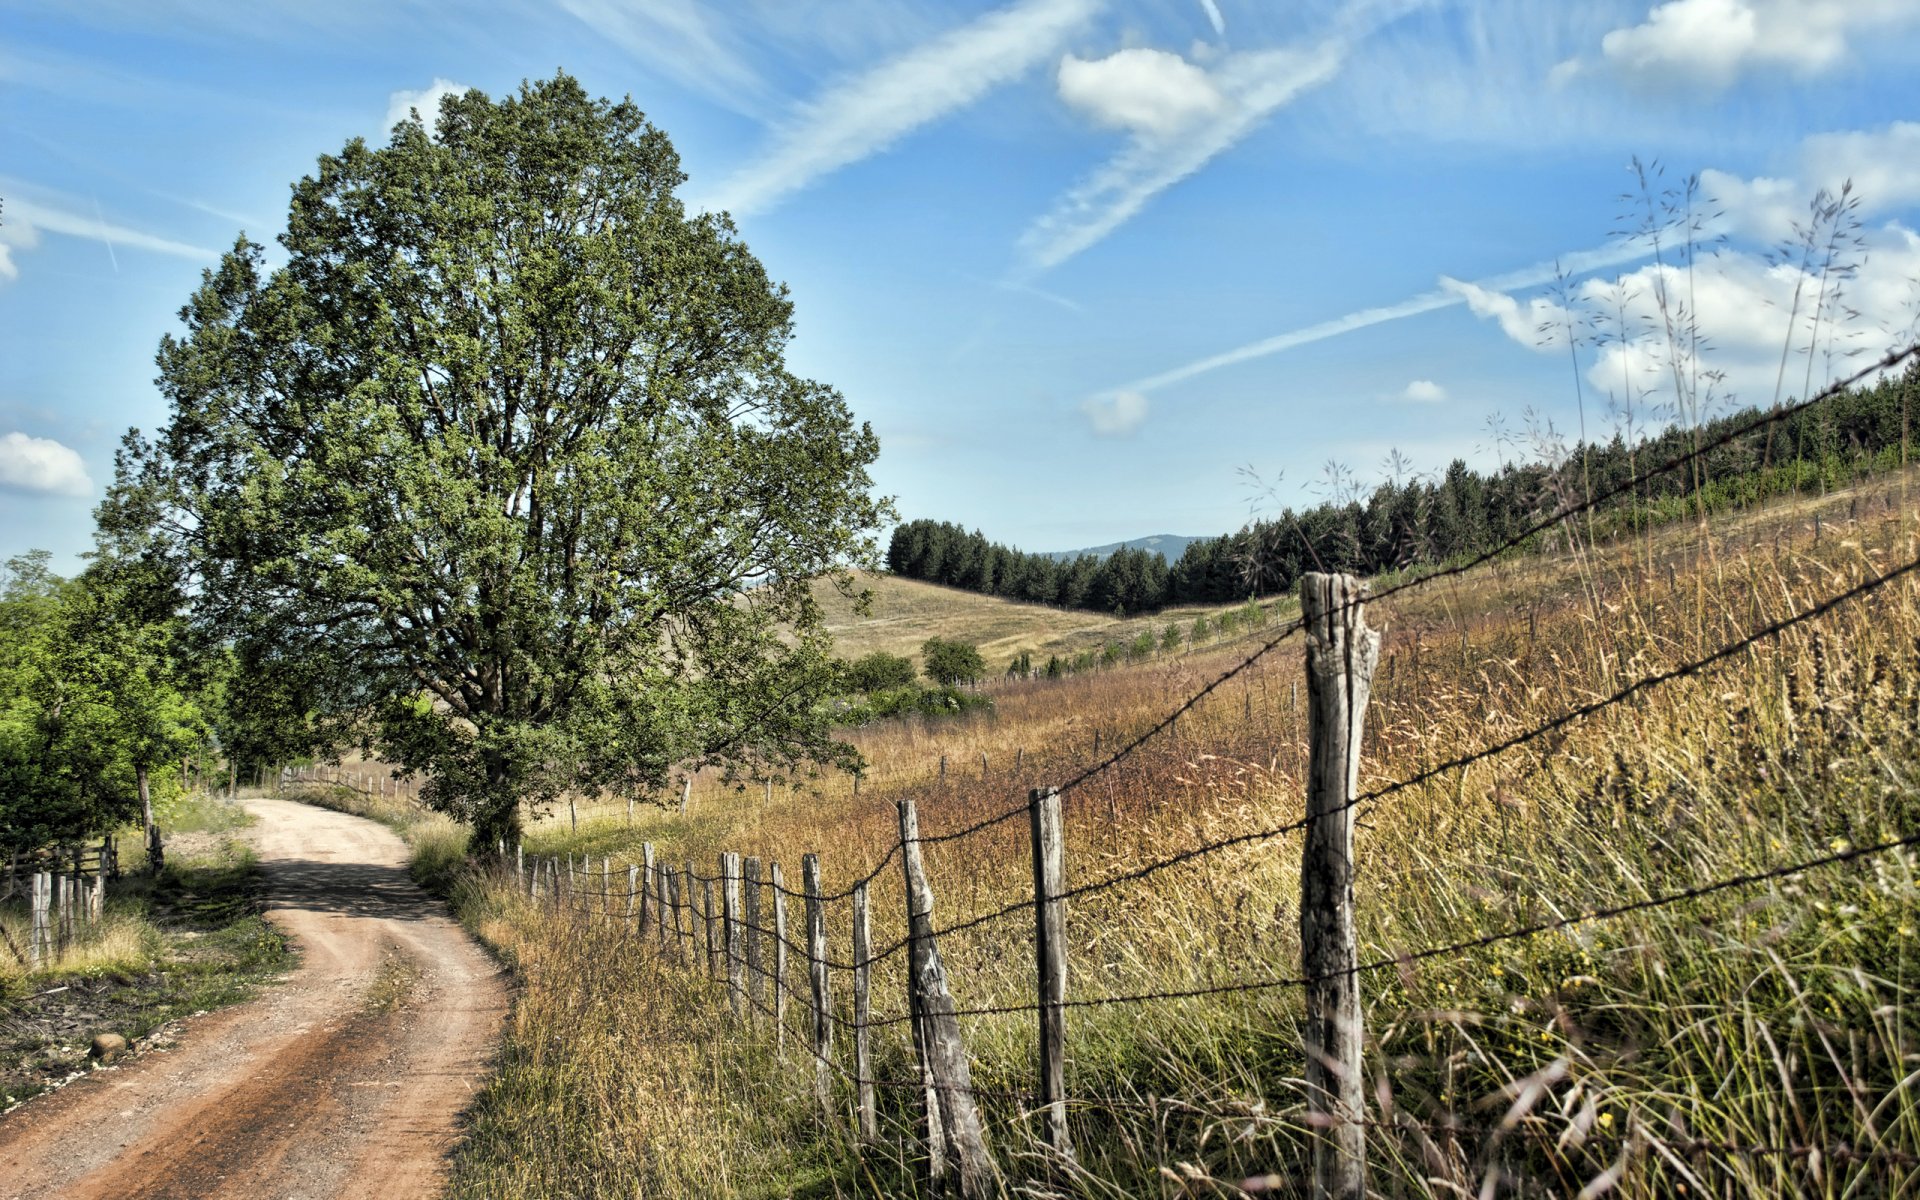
x: 321, y: 1088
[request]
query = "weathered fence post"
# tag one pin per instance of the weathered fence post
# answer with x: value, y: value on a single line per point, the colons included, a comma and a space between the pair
x: 519, y: 860
x: 711, y: 916
x: 42, y: 934
x: 636, y: 900
x: 1341, y: 655
x: 779, y: 890
x: 817, y: 980
x: 1050, y: 957
x: 686, y: 794
x: 670, y: 905
x: 730, y: 911
x: 943, y: 1051
x: 868, y: 1121
x: 750, y: 919
x: 649, y: 911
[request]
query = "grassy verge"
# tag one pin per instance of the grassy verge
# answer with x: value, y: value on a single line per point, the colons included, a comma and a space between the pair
x: 1757, y: 1042
x: 186, y: 941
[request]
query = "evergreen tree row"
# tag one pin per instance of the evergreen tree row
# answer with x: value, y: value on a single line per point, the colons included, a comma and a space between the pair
x: 1460, y: 513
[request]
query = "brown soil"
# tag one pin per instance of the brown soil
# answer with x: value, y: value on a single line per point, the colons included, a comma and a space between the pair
x: 346, y: 1081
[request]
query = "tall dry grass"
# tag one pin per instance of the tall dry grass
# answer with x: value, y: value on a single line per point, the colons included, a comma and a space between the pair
x: 1755, y: 1042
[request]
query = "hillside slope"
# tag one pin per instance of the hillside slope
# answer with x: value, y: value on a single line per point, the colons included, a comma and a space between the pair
x: 906, y: 612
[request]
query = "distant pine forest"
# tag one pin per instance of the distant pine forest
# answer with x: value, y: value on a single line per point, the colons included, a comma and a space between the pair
x: 1427, y: 520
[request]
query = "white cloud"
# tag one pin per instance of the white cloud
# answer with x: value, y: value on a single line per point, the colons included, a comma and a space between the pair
x: 1711, y: 43
x: 1150, y: 92
x: 1540, y: 324
x: 866, y: 113
x: 1252, y: 87
x: 24, y: 220
x: 1115, y: 414
x: 1883, y: 164
x: 1214, y: 18
x: 41, y: 466
x: 1424, y: 391
x: 426, y: 101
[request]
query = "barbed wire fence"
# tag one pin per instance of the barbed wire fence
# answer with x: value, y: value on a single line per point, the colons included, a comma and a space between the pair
x: 732, y: 924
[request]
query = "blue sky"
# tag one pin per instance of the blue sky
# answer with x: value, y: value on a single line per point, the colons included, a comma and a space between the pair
x: 1078, y: 261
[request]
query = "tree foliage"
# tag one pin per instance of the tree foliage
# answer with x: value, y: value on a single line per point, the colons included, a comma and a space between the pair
x: 504, y: 468
x: 91, y: 696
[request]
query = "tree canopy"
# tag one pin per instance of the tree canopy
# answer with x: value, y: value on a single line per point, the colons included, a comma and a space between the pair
x: 506, y: 462
x: 949, y: 663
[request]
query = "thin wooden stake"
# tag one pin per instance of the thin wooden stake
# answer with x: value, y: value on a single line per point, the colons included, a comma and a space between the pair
x: 750, y: 922
x: 1050, y: 958
x: 944, y: 1050
x: 779, y: 957
x: 1341, y: 656
x: 868, y: 1123
x: 730, y: 915
x: 817, y: 980
x: 649, y: 911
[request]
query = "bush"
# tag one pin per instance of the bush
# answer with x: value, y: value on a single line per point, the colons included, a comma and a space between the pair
x: 880, y: 671
x: 952, y: 663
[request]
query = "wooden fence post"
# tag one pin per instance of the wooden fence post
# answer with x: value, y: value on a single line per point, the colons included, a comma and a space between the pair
x: 817, y: 979
x: 1341, y: 655
x: 730, y: 912
x: 868, y: 1123
x: 1050, y: 957
x: 42, y: 934
x: 750, y: 922
x: 715, y: 968
x: 779, y: 890
x: 648, y: 909
x: 636, y: 900
x: 943, y: 1050
x: 519, y: 861
x: 669, y: 886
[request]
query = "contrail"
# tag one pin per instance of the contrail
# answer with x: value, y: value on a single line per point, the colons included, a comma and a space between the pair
x: 105, y: 236
x: 1213, y: 15
x: 1611, y: 254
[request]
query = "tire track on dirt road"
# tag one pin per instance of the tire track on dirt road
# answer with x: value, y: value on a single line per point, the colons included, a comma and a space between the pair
x: 346, y: 1080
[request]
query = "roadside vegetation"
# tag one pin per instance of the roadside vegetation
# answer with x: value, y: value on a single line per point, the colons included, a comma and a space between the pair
x: 181, y: 942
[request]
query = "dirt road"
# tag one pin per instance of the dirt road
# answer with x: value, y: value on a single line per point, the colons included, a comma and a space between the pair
x: 345, y: 1081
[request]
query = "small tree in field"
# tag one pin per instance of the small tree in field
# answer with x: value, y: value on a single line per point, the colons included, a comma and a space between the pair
x: 951, y: 664
x: 506, y: 462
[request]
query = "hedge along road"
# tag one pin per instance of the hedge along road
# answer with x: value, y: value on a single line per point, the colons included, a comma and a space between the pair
x: 347, y: 1080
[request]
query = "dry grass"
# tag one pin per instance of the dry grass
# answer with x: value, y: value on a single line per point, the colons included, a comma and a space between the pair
x: 1776, y: 1018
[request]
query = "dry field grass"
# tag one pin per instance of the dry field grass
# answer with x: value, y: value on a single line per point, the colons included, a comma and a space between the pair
x: 1755, y: 1042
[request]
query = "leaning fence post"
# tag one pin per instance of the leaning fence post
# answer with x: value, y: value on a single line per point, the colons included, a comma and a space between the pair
x: 750, y: 920
x: 779, y: 890
x: 944, y: 1051
x: 869, y: 1117
x: 1341, y: 655
x: 817, y: 978
x: 1050, y: 957
x: 730, y: 911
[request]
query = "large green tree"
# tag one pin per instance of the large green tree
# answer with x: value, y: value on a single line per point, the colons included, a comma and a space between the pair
x: 507, y: 457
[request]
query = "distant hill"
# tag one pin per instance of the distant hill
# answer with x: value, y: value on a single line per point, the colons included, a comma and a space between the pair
x: 907, y: 612
x: 1169, y: 546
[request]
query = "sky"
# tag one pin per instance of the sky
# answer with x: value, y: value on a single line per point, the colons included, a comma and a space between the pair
x: 1093, y: 269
